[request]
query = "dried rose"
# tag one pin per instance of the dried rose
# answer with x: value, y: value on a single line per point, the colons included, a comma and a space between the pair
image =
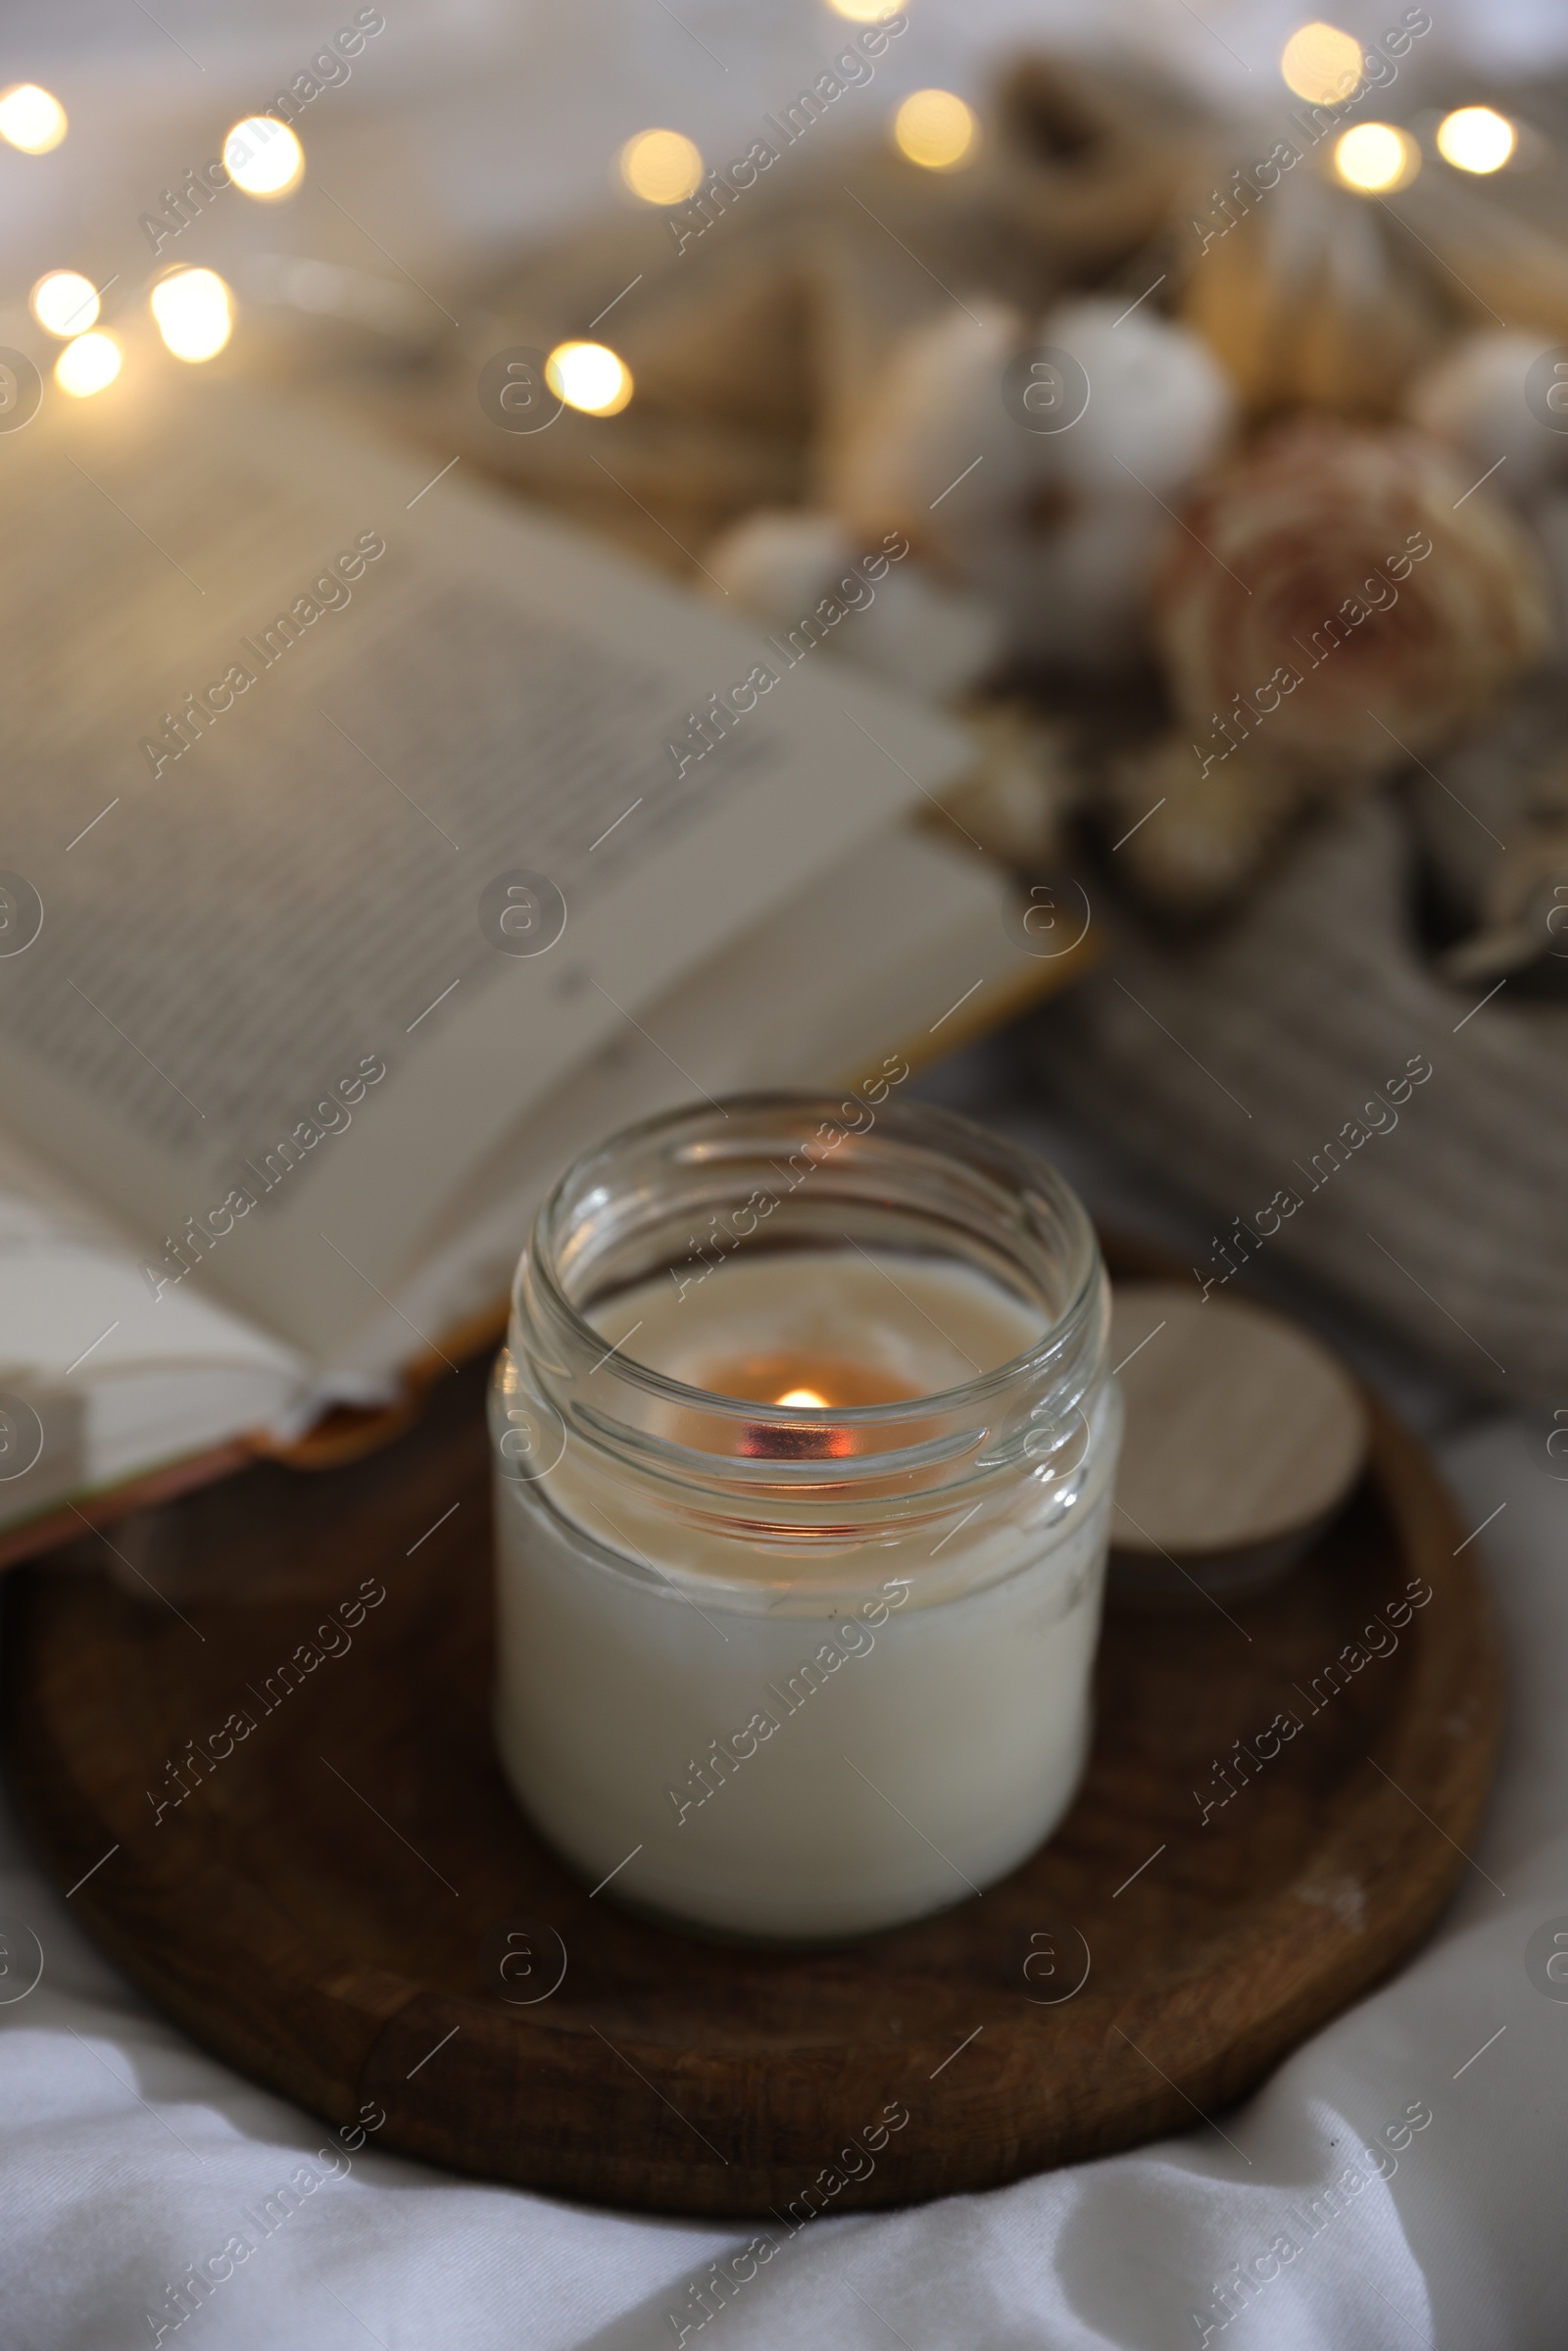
x: 1339, y: 596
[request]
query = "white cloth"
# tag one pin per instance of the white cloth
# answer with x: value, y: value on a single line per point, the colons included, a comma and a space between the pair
x: 126, y: 2155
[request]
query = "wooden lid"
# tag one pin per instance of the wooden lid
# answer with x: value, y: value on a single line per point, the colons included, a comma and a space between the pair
x: 1241, y: 1427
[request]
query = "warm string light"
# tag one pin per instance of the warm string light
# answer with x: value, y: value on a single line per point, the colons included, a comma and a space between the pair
x: 30, y: 119
x: 661, y: 167
x: 88, y: 366
x: 935, y: 129
x: 194, y: 313
x: 1321, y: 64
x: 63, y: 302
x: 264, y: 158
x: 590, y: 377
x: 1375, y: 159
x: 1476, y: 138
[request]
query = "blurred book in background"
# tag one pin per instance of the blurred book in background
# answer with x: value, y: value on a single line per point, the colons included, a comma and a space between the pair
x: 374, y: 846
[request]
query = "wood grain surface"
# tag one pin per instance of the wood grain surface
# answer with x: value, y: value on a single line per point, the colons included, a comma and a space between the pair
x: 331, y: 1906
x: 1241, y: 1426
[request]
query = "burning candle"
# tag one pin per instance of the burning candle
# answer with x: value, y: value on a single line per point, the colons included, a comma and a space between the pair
x: 804, y: 1445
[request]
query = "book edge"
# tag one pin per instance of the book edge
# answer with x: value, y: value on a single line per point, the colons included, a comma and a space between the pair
x: 348, y: 1433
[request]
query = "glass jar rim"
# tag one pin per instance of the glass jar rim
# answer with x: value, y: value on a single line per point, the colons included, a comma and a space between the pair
x: 917, y: 1123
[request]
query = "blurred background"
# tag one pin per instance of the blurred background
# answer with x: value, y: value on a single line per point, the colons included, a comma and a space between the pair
x: 471, y: 124
x: 1171, y: 339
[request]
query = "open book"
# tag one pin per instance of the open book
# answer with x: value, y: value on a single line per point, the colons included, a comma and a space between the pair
x: 370, y: 847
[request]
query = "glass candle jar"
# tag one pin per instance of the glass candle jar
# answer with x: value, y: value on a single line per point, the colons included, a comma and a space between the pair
x: 804, y: 1444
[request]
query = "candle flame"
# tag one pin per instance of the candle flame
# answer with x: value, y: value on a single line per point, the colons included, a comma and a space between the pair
x: 806, y: 1399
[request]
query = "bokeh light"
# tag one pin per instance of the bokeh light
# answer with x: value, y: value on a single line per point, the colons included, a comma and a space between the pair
x: 63, y: 302
x: 661, y: 167
x: 935, y: 129
x: 30, y: 119
x: 1322, y: 64
x: 1374, y: 158
x: 1476, y: 138
x: 194, y: 313
x: 863, y: 12
x: 589, y: 376
x: 88, y: 365
x: 264, y: 158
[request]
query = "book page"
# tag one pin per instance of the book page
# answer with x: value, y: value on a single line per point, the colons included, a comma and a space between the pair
x: 98, y: 1379
x: 306, y: 713
x: 855, y: 981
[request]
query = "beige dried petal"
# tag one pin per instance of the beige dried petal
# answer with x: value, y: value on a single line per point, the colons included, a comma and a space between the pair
x: 1016, y: 799
x: 1349, y: 592
x: 1189, y: 838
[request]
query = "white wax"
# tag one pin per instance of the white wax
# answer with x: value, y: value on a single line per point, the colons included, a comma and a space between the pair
x: 924, y: 1323
x: 896, y: 1722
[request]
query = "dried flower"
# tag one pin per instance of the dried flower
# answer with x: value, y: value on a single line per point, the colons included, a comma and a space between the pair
x: 1340, y: 597
x: 1016, y: 802
x: 1188, y: 842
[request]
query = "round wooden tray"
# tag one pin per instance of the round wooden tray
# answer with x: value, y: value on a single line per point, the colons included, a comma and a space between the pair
x: 348, y: 1907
